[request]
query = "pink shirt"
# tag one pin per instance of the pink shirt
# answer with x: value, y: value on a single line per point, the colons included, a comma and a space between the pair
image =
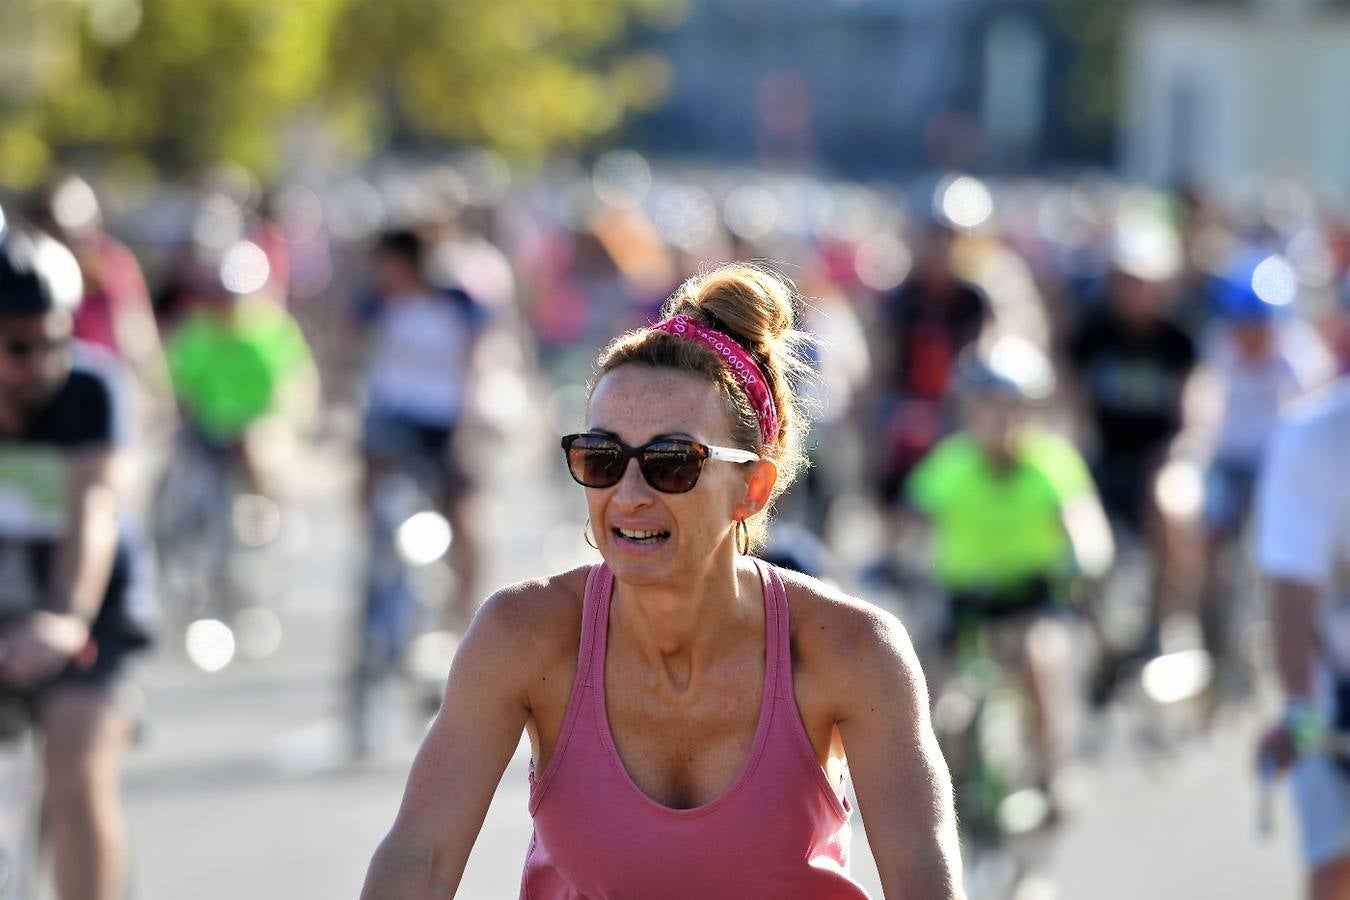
x: 122, y: 286
x: 780, y: 830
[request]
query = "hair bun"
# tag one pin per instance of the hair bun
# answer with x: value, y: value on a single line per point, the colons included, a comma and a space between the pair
x: 753, y: 305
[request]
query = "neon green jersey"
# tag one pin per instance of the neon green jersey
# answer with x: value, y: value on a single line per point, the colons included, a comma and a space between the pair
x: 228, y: 372
x: 994, y: 528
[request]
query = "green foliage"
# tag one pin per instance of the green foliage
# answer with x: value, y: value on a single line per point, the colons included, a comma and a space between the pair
x: 184, y: 85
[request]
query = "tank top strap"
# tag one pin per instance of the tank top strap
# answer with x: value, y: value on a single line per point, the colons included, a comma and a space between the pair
x: 777, y: 633
x: 594, y: 619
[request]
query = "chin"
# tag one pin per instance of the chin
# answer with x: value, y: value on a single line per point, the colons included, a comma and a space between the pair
x: 642, y: 572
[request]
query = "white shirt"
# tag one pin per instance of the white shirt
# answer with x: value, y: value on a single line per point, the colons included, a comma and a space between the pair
x: 420, y: 359
x: 1303, y: 511
x: 1254, y: 393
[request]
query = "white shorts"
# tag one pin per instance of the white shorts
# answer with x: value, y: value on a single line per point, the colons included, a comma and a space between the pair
x: 1322, y: 799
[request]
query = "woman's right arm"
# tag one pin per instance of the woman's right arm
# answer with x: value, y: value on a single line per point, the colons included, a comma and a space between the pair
x: 461, y: 761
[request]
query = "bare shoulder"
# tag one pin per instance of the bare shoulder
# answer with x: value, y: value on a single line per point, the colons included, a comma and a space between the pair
x: 828, y: 622
x: 537, y: 618
x: 842, y: 643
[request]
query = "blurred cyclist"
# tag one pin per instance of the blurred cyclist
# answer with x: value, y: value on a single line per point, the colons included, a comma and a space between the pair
x: 1303, y: 545
x: 1256, y: 362
x: 1131, y: 363
x: 928, y: 321
x: 116, y: 312
x: 241, y: 368
x: 72, y: 602
x: 420, y: 354
x: 1013, y: 514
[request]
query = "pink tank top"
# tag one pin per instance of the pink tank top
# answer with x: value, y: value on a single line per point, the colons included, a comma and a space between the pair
x: 780, y: 830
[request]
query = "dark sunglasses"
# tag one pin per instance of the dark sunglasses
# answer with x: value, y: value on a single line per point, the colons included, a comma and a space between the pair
x: 18, y: 348
x: 670, y: 465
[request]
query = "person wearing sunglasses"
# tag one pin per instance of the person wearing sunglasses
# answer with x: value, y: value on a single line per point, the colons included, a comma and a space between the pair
x: 695, y: 715
x: 73, y: 598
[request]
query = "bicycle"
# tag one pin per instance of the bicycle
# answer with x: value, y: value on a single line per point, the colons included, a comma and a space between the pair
x: 1238, y: 627
x: 399, y: 635
x: 219, y: 552
x: 983, y: 719
x: 21, y: 825
x: 23, y: 819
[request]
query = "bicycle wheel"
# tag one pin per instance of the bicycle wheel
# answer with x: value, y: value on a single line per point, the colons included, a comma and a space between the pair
x: 386, y: 618
x: 1242, y: 640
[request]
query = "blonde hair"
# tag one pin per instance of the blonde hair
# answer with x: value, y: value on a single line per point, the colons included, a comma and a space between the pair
x: 756, y: 307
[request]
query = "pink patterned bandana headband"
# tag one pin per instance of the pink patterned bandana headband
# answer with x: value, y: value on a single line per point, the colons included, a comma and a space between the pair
x: 739, y: 362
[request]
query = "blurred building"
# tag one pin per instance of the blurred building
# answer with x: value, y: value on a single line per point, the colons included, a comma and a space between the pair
x: 1218, y: 92
x: 860, y: 86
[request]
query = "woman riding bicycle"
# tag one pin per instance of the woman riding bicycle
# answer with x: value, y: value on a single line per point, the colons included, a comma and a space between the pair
x: 689, y: 707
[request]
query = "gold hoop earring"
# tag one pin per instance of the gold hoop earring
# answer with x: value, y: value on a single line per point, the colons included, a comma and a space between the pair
x: 586, y: 534
x: 742, y: 537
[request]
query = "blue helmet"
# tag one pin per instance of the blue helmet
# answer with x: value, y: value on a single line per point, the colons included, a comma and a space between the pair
x: 976, y: 378
x: 1255, y: 289
x: 1013, y: 368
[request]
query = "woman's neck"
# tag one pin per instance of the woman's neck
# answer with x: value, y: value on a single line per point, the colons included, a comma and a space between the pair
x: 681, y: 628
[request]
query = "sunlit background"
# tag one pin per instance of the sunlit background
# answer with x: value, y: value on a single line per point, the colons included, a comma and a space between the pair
x: 571, y: 162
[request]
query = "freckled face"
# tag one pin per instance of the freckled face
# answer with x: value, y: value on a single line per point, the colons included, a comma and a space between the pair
x: 639, y: 404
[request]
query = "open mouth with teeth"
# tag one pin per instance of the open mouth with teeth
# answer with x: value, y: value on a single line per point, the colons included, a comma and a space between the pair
x: 641, y: 538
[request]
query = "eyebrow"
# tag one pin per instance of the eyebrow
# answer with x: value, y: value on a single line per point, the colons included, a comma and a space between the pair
x: 678, y: 435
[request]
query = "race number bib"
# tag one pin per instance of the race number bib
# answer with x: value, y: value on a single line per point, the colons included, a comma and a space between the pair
x: 32, y: 493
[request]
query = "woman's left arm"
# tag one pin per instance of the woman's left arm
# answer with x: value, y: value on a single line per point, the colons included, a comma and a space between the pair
x: 903, y: 785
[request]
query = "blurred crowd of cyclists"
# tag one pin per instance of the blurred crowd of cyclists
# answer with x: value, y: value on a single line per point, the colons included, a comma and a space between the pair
x: 1023, y: 387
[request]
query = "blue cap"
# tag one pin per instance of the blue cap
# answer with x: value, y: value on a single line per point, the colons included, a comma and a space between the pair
x: 1255, y: 288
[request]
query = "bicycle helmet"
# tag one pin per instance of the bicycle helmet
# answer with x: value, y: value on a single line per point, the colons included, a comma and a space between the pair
x: 976, y: 378
x: 1254, y: 289
x: 1013, y: 368
x: 37, y: 275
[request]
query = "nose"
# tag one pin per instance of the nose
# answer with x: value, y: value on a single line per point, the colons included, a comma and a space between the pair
x: 632, y: 491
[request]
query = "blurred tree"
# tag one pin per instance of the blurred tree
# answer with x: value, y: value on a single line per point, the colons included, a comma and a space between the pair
x: 185, y: 85
x: 523, y: 75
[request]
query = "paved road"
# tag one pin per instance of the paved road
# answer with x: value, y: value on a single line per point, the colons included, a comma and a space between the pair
x: 239, y: 789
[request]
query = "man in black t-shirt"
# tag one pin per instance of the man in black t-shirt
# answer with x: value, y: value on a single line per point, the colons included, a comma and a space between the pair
x: 71, y: 602
x: 1131, y: 363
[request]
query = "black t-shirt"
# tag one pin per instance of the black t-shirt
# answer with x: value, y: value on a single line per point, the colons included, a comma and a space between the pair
x: 1133, y: 380
x: 81, y: 415
x: 34, y: 463
x: 929, y: 331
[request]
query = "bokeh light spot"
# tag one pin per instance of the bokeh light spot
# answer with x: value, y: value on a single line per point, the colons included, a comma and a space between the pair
x: 882, y: 262
x: 622, y: 178
x: 750, y: 212
x: 1275, y: 281
x: 210, y: 644
x: 244, y: 269
x: 424, y: 538
x: 966, y: 202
